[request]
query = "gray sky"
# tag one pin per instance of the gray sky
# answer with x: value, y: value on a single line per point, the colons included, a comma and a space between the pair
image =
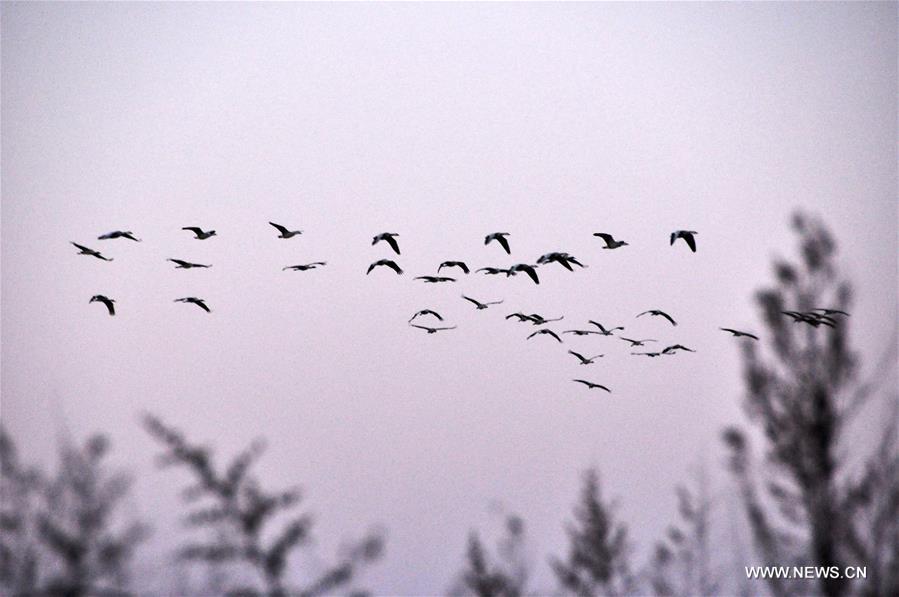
x: 443, y: 123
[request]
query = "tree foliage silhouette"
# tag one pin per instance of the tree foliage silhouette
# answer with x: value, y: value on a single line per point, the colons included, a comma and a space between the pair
x: 599, y: 552
x: 503, y: 576
x: 61, y: 534
x: 805, y: 505
x: 237, y: 510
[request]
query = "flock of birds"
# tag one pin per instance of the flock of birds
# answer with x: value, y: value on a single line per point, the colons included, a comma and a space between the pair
x: 816, y: 317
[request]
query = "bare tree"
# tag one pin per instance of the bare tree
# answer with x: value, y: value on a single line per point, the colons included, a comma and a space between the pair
x: 804, y: 503
x: 599, y: 552
x: 502, y: 576
x: 61, y: 533
x: 236, y: 512
x: 681, y: 563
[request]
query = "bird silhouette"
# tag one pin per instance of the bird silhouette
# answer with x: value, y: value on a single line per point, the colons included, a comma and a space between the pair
x: 648, y: 354
x: 657, y: 313
x: 196, y: 301
x: 521, y: 317
x: 434, y: 279
x: 431, y: 330
x: 424, y: 312
x: 582, y: 332
x: 389, y: 238
x: 82, y: 250
x: 530, y: 270
x: 386, y: 262
x: 611, y: 243
x: 538, y: 319
x: 811, y: 318
x: 637, y: 342
x: 592, y: 386
x: 687, y: 235
x: 478, y: 304
x: 99, y: 298
x: 547, y: 332
x: 493, y: 271
x: 199, y: 233
x: 304, y: 267
x: 563, y: 259
x: 671, y: 349
x: 284, y: 232
x: 738, y: 333
x: 831, y: 311
x: 585, y: 360
x: 603, y: 330
x: 118, y: 234
x: 460, y: 264
x: 499, y: 237
x: 180, y: 264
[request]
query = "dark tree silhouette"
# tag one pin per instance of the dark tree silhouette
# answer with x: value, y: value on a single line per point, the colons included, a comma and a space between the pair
x: 681, y: 562
x: 61, y: 534
x: 503, y: 576
x: 238, y: 510
x: 804, y: 503
x: 599, y: 552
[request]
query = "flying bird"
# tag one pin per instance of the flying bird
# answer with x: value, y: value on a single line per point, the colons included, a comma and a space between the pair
x: 304, y: 267
x: 387, y: 262
x: 431, y: 330
x: 493, y: 271
x: 674, y: 347
x: 521, y: 317
x: 592, y: 386
x: 813, y: 319
x: 563, y: 259
x: 584, y: 360
x: 647, y: 354
x: 389, y: 238
x: 82, y: 250
x: 424, y: 312
x: 284, y: 232
x: 478, y: 304
x: 530, y: 270
x: 199, y: 232
x: 738, y: 333
x: 831, y: 312
x: 460, y: 264
x: 99, y: 298
x: 499, y: 237
x: 687, y: 235
x: 179, y: 264
x: 581, y: 332
x: 657, y: 313
x: 637, y: 342
x: 538, y: 319
x: 603, y: 330
x: 611, y: 243
x: 546, y: 331
x: 201, y: 303
x: 434, y: 279
x: 118, y: 234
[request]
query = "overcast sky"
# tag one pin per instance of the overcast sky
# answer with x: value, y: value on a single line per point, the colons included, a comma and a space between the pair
x: 443, y: 123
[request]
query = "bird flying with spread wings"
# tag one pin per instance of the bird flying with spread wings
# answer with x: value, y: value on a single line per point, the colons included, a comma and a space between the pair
x: 739, y: 334
x: 611, y: 243
x: 658, y: 313
x: 199, y: 233
x: 304, y: 267
x: 118, y: 234
x: 82, y: 250
x: 423, y: 312
x: 181, y: 264
x: 687, y: 235
x: 530, y: 270
x: 478, y: 304
x: 389, y: 238
x: 563, y: 259
x: 431, y: 330
x: 494, y: 271
x: 387, y: 263
x: 201, y: 303
x: 284, y: 232
x: 547, y: 332
x: 434, y: 279
x: 585, y: 360
x: 637, y: 342
x: 99, y: 298
x: 603, y: 330
x: 499, y: 237
x: 671, y: 349
x: 460, y: 264
x: 592, y: 386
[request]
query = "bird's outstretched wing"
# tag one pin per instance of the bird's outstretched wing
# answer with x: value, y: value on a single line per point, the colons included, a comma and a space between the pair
x: 606, y: 237
x: 666, y: 316
x: 504, y: 243
x: 579, y: 356
x: 202, y: 304
x: 194, y: 229
x: 280, y: 228
x: 472, y: 301
x: 691, y: 242
x: 81, y: 247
